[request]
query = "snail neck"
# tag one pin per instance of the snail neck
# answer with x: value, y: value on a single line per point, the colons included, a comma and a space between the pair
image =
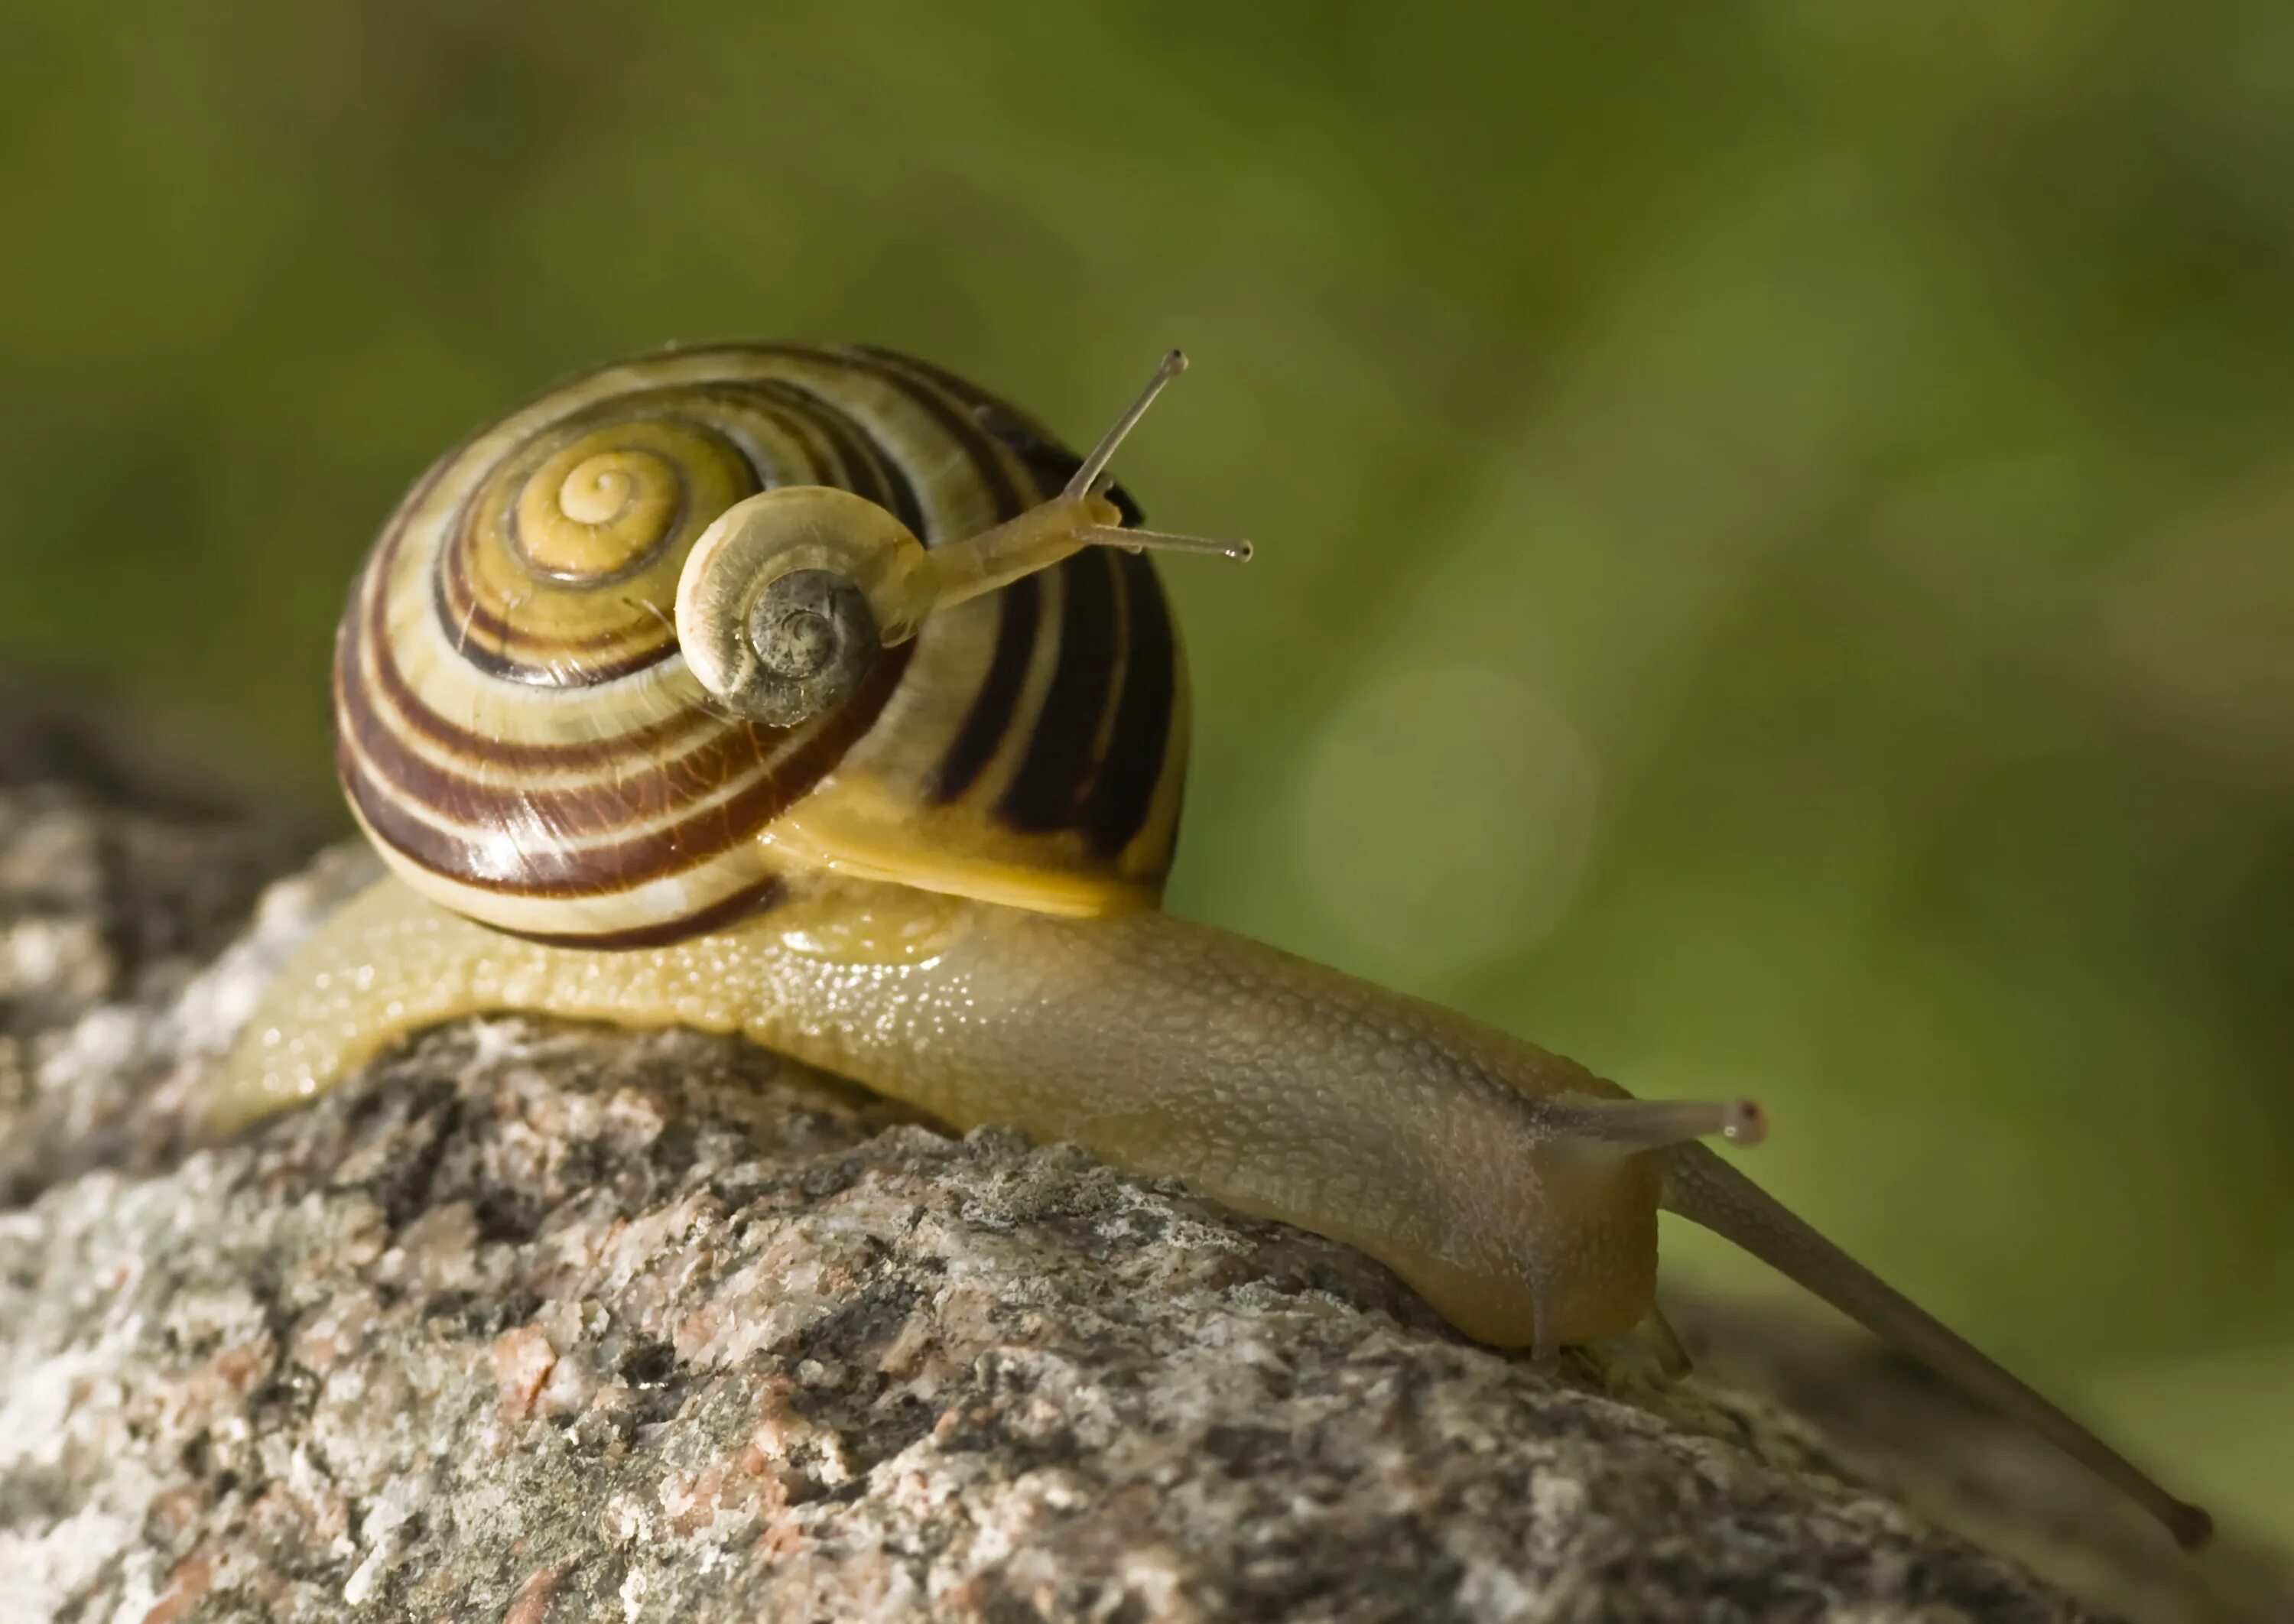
x: 1047, y: 534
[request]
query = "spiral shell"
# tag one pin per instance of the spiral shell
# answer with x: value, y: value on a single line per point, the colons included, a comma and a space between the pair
x: 518, y: 731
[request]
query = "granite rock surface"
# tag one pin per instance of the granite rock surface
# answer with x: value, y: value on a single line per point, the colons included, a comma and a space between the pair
x: 543, y: 1322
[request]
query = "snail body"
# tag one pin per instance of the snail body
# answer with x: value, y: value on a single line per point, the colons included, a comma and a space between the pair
x: 1281, y: 1088
x: 812, y: 694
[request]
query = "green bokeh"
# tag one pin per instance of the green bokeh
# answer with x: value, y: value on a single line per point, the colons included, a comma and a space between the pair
x: 1825, y: 475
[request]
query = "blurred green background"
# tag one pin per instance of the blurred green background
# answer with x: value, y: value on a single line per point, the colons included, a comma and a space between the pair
x: 1775, y: 570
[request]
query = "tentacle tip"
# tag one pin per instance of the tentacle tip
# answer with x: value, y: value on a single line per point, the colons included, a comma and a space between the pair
x: 1747, y: 1124
x: 2192, y: 1527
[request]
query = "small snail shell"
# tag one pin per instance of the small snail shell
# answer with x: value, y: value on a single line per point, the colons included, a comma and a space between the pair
x: 777, y: 609
x: 522, y: 735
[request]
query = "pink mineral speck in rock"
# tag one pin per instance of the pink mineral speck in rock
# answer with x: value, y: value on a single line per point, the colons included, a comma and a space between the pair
x: 568, y: 1388
x: 531, y: 1604
x: 523, y: 1360
x: 185, y: 1586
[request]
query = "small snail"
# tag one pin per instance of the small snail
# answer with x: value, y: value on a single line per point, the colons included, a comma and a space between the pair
x: 813, y: 694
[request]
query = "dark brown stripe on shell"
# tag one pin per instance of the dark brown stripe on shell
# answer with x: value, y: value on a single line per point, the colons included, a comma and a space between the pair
x: 1057, y: 765
x: 1020, y: 611
x: 552, y: 871
x: 577, y: 669
x: 1123, y: 792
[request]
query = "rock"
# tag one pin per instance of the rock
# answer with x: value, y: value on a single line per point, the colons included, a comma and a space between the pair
x: 122, y: 873
x: 544, y: 1322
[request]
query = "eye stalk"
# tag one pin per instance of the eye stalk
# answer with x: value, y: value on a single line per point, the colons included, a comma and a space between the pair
x: 788, y: 597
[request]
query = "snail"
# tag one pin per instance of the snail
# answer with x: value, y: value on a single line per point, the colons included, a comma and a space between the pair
x: 813, y: 694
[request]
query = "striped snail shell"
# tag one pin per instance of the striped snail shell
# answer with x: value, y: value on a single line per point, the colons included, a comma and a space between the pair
x: 522, y: 736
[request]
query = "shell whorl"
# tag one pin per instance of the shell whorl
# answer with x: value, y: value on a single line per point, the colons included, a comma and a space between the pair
x: 519, y: 732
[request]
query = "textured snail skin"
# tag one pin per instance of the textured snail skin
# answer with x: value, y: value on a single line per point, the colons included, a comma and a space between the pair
x: 1276, y: 1086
